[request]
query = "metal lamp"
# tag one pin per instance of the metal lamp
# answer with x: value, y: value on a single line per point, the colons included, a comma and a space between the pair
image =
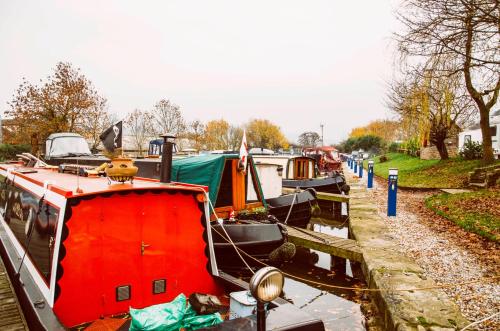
x: 265, y: 285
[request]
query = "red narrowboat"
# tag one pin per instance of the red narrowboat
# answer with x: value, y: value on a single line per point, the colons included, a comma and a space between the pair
x: 79, y: 249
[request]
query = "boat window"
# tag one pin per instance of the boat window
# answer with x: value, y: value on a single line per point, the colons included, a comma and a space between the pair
x: 19, y: 209
x: 225, y: 195
x: 64, y: 146
x: 301, y: 168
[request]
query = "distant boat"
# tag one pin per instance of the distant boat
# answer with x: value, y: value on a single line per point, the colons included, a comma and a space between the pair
x: 293, y: 209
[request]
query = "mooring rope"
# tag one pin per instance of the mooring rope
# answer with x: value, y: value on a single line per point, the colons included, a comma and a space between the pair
x: 445, y: 285
x: 228, y: 237
x: 480, y: 321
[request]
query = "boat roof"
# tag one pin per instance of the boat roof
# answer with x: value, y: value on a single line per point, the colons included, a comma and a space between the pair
x: 203, y: 170
x: 63, y: 134
x: 69, y: 185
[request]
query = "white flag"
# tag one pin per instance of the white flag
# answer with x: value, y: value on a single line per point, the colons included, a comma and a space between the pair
x: 243, y: 153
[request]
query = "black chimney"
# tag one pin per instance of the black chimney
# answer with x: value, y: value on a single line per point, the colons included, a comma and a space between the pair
x: 166, y: 158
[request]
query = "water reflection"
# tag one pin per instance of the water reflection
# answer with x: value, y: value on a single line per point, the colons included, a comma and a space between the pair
x: 336, y: 312
x: 340, y: 309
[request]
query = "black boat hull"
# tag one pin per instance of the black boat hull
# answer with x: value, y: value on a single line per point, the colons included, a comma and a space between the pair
x: 300, y: 213
x: 256, y: 239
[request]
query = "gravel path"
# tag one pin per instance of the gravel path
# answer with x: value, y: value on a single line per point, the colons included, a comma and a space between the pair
x: 447, y: 253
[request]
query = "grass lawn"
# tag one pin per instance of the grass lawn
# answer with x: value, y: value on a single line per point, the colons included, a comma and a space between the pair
x: 476, y: 211
x: 414, y: 172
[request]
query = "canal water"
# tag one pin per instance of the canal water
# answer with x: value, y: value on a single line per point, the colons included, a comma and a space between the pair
x: 338, y: 308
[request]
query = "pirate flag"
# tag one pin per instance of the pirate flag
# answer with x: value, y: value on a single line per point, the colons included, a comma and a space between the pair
x: 112, y: 137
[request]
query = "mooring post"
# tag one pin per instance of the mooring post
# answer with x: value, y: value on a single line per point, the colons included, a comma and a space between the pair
x: 352, y: 163
x: 392, y: 192
x: 361, y: 168
x: 338, y: 265
x: 356, y: 166
x: 370, y: 174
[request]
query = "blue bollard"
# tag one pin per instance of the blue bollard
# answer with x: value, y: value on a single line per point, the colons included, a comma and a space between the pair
x: 370, y: 174
x: 356, y: 166
x: 361, y: 168
x: 352, y: 165
x: 348, y: 162
x: 392, y: 192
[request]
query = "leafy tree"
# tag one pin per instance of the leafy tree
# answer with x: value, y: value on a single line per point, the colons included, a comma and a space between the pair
x: 216, y: 135
x: 386, y: 129
x: 167, y: 118
x: 437, y: 105
x: 265, y: 134
x: 58, y: 105
x: 367, y: 143
x: 140, y: 125
x: 309, y: 139
x: 465, y: 34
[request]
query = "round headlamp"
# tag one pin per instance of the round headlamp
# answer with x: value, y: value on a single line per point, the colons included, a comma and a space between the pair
x: 266, y: 284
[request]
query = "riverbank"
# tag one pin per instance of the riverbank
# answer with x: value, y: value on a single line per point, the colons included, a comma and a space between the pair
x: 392, y: 275
x: 417, y: 173
x: 445, y: 252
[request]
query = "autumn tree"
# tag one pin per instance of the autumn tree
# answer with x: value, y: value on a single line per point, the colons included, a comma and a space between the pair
x: 58, y: 104
x: 309, y: 139
x: 167, y: 118
x: 216, y: 135
x: 140, y: 126
x: 386, y: 129
x: 436, y: 105
x: 264, y: 134
x: 465, y: 34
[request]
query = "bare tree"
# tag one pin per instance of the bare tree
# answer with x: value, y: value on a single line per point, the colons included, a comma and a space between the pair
x: 167, y: 118
x: 97, y: 120
x: 196, y: 133
x: 309, y: 139
x: 465, y: 33
x: 139, y: 124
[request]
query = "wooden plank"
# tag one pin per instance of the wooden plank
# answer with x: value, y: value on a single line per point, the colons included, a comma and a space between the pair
x: 11, y: 317
x: 341, y: 247
x: 321, y: 195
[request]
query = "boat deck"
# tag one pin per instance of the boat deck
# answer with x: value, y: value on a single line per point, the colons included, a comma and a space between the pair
x: 11, y: 316
x: 71, y: 185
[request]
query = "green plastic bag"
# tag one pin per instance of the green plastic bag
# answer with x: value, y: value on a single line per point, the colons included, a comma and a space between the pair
x: 192, y: 321
x: 162, y: 317
x: 171, y: 317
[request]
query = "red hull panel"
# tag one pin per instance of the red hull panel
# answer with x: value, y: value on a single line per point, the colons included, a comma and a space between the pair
x: 130, y: 239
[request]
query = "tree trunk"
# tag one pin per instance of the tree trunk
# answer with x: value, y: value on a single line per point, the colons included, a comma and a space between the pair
x: 443, y: 151
x: 484, y: 113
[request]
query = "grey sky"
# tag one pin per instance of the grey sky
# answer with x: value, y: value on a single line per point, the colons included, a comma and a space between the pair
x: 296, y: 63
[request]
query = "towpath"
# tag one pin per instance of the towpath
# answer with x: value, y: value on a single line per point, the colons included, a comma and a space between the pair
x: 445, y: 252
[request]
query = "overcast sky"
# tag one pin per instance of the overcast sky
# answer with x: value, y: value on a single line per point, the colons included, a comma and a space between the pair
x: 296, y: 63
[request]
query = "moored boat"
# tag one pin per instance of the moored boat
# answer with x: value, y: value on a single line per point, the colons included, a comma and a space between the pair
x: 79, y: 249
x: 293, y: 209
x: 238, y: 202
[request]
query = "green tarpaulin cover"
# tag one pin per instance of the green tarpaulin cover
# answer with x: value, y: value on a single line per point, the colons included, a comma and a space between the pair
x: 205, y: 170
x: 171, y: 316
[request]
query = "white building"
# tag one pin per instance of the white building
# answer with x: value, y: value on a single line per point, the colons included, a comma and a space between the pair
x: 474, y: 133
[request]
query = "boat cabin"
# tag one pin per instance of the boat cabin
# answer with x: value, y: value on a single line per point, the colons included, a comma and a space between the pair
x: 230, y: 189
x: 85, y: 249
x: 300, y: 167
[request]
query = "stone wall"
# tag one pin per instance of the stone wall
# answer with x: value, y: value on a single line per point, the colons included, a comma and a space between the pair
x: 431, y: 152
